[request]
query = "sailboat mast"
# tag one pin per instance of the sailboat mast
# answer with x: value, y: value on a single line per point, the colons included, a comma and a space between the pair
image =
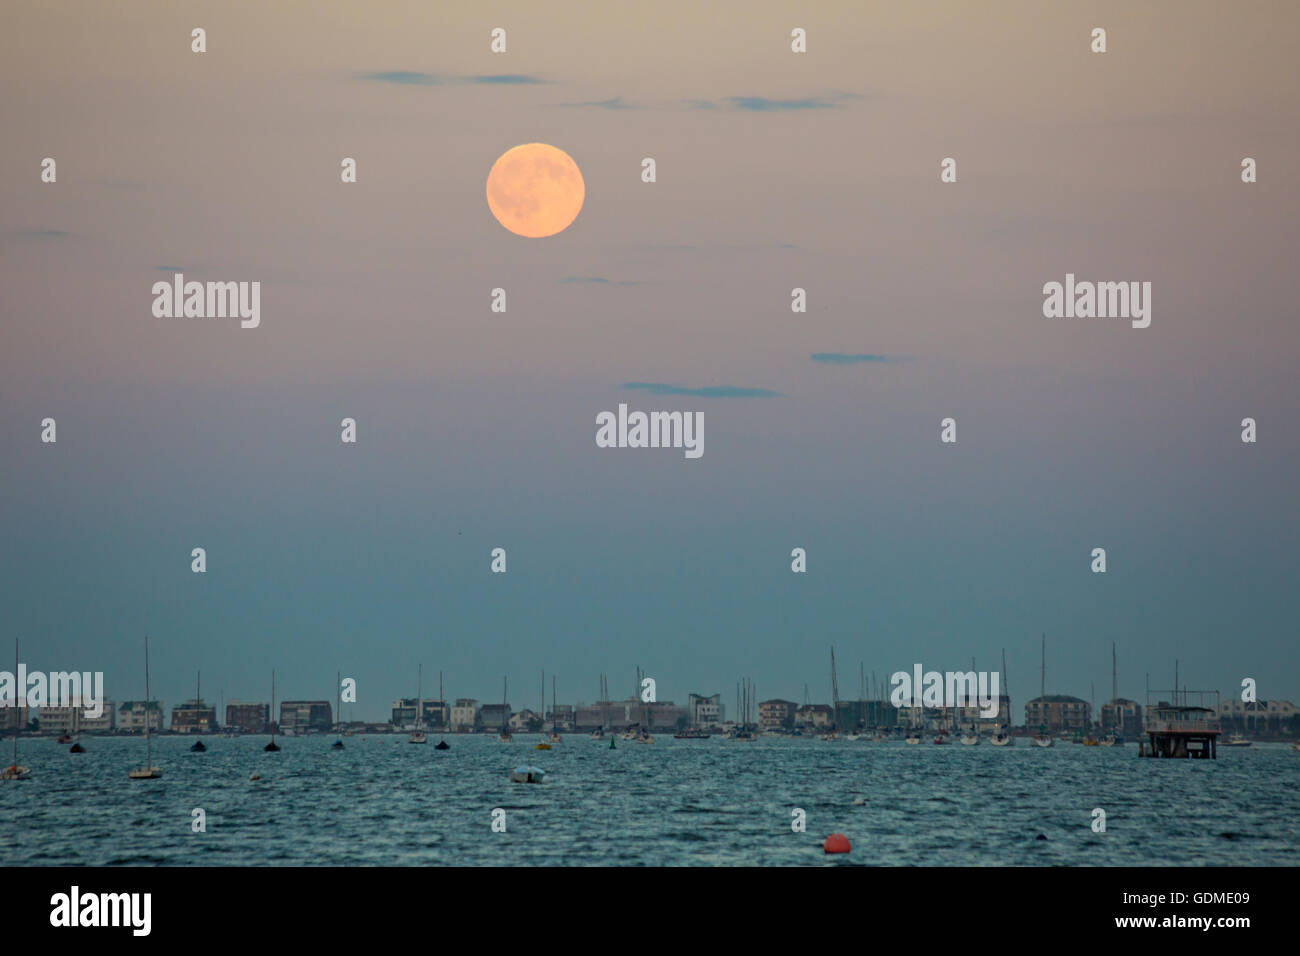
x: 1042, y: 679
x: 17, y: 714
x: 419, y: 696
x: 338, y: 701
x: 1006, y: 688
x: 272, y: 714
x: 148, y: 759
x: 198, y: 695
x: 1114, y: 674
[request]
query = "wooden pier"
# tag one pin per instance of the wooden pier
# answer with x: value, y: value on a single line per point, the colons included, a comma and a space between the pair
x: 1182, y: 729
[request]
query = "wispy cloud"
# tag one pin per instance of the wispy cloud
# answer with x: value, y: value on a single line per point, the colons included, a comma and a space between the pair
x: 613, y: 103
x: 601, y: 280
x: 762, y: 104
x: 849, y: 358
x: 40, y: 233
x: 404, y: 78
x: 408, y: 78
x: 707, y: 391
x: 505, y: 78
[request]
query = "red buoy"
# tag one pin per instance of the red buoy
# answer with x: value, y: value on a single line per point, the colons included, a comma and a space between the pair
x: 836, y: 843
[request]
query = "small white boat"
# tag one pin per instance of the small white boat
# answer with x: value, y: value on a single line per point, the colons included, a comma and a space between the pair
x: 1002, y: 739
x: 970, y: 740
x: 1237, y: 740
x: 912, y: 739
x: 1043, y: 740
x: 598, y: 734
x: 852, y: 737
x: 417, y: 737
x: 527, y: 775
x: 1110, y: 740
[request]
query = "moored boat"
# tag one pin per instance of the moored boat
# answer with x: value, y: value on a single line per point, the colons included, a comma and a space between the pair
x: 148, y: 771
x: 527, y: 775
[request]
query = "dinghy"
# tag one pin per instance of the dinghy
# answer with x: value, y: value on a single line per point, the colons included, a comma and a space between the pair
x: 527, y: 775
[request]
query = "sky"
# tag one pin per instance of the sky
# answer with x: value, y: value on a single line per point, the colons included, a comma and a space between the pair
x: 476, y: 429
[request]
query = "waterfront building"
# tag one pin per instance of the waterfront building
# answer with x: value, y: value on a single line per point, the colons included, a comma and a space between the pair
x: 11, y: 716
x: 66, y: 720
x: 306, y: 716
x: 493, y: 716
x: 776, y: 714
x: 1263, y: 718
x: 248, y: 718
x: 194, y: 717
x: 561, y: 716
x: 1058, y: 713
x: 1123, y: 717
x: 131, y: 716
x: 525, y: 720
x: 464, y: 714
x: 814, y: 717
x: 973, y: 715
x: 436, y: 714
x: 702, y: 711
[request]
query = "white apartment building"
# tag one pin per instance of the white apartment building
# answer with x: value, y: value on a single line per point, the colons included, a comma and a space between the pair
x: 67, y: 720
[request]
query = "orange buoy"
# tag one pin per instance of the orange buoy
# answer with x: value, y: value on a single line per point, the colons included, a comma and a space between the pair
x: 836, y: 843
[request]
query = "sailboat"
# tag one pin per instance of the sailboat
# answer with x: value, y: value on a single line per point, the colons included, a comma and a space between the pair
x: 1043, y: 738
x: 14, y: 771
x: 643, y: 735
x: 442, y: 718
x: 833, y: 733
x: 417, y: 735
x: 599, y: 732
x: 76, y: 747
x: 555, y: 716
x: 1000, y: 737
x: 505, y: 736
x: 338, y: 709
x: 272, y: 747
x: 543, y: 745
x: 971, y: 738
x: 198, y: 747
x: 148, y: 771
x: 914, y: 731
x: 1113, y: 739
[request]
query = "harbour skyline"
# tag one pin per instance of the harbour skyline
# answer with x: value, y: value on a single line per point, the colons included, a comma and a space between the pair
x: 475, y: 429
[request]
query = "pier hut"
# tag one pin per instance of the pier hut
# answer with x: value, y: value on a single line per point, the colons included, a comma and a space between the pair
x: 1182, y: 728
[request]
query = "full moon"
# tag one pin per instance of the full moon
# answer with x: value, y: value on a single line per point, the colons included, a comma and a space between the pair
x: 535, y: 190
